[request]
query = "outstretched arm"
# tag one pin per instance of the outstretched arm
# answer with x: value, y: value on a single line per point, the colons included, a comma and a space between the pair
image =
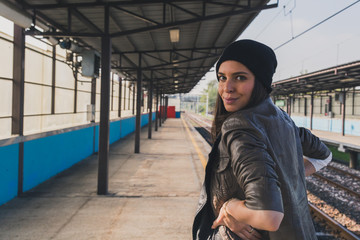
x: 313, y: 165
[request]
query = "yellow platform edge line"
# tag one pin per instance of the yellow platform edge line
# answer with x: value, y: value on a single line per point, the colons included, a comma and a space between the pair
x: 199, y: 153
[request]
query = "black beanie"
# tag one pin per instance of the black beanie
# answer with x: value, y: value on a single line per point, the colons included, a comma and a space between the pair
x: 257, y: 57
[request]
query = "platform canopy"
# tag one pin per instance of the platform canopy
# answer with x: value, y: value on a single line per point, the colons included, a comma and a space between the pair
x: 338, y: 77
x: 179, y: 41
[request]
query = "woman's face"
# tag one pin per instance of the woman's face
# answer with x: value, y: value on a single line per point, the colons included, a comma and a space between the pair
x: 236, y: 83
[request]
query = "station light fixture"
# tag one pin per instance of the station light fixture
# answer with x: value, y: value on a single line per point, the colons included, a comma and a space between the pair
x: 174, y: 35
x: 348, y: 80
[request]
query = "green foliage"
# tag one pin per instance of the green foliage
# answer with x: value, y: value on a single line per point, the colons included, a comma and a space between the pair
x: 211, y: 93
x: 343, y: 156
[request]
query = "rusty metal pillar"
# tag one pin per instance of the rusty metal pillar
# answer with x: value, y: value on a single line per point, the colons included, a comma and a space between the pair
x: 75, y: 88
x: 166, y: 107
x: 157, y: 110
x: 53, y: 79
x: 150, y: 106
x: 120, y: 95
x: 93, y: 95
x: 138, y: 107
x: 161, y: 109
x: 353, y: 160
x: 133, y: 100
x: 311, y: 110
x: 17, y: 120
x: 104, y: 108
x: 342, y: 101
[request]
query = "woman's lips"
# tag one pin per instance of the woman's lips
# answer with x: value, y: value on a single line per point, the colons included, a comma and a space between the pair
x: 229, y: 100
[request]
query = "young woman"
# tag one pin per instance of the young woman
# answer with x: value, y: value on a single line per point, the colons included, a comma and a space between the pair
x: 254, y: 184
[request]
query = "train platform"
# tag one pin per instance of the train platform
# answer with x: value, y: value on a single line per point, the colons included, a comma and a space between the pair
x: 338, y: 138
x: 152, y: 195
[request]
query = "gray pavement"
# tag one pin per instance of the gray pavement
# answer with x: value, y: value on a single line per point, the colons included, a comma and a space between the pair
x: 152, y: 195
x: 337, y: 137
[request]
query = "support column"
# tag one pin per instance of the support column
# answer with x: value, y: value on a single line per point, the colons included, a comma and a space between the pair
x: 342, y: 101
x: 120, y: 95
x: 53, y: 79
x: 157, y: 110
x: 124, y: 94
x: 311, y: 110
x: 129, y: 105
x: 112, y: 92
x: 161, y: 109
x: 166, y: 107
x: 164, y: 111
x: 75, y: 88
x: 288, y: 106
x: 138, y: 107
x: 93, y: 103
x: 104, y: 108
x: 353, y: 160
x: 353, y: 102
x: 133, y: 106
x: 93, y: 94
x: 17, y: 121
x: 150, y: 106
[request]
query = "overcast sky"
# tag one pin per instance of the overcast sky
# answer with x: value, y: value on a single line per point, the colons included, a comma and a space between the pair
x: 336, y: 41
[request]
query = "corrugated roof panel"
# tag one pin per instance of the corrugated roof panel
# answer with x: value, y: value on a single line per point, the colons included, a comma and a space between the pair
x: 140, y: 26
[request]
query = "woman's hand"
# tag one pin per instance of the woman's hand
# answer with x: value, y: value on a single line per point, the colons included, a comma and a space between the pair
x: 243, y: 230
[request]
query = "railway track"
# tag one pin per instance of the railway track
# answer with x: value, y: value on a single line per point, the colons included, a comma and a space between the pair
x: 354, y: 176
x: 203, y: 126
x: 338, y: 185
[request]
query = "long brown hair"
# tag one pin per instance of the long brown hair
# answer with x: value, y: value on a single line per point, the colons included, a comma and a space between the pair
x: 258, y: 95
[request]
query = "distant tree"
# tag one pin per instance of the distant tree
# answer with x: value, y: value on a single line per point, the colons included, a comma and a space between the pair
x: 211, y: 92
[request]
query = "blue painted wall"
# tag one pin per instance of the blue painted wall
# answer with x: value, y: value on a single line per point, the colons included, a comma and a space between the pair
x: 48, y: 156
x: 127, y: 126
x: 114, y: 131
x: 352, y: 126
x: 9, y: 163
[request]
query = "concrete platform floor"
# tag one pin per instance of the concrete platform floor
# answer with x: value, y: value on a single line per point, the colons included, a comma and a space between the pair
x: 337, y: 137
x: 152, y: 195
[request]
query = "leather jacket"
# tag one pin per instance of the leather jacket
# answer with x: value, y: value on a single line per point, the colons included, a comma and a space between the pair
x: 258, y: 157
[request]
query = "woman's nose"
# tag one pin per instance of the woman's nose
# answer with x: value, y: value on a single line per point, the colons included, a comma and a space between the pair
x: 229, y: 86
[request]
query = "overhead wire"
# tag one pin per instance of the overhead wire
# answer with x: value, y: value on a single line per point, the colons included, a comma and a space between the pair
x: 307, y: 30
x: 272, y: 20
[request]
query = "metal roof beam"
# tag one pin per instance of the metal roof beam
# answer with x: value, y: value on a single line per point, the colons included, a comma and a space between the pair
x: 97, y: 4
x: 172, y: 50
x: 179, y: 77
x: 157, y: 58
x: 137, y: 16
x: 85, y: 20
x: 229, y: 4
x: 184, y: 61
x: 193, y: 20
x: 155, y: 67
x: 184, y: 10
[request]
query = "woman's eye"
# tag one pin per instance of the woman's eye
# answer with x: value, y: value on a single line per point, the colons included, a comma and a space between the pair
x: 241, y: 78
x: 222, y: 78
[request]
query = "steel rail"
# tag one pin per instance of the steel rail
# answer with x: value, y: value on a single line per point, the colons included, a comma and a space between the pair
x: 348, y: 190
x: 337, y: 227
x: 343, y: 172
